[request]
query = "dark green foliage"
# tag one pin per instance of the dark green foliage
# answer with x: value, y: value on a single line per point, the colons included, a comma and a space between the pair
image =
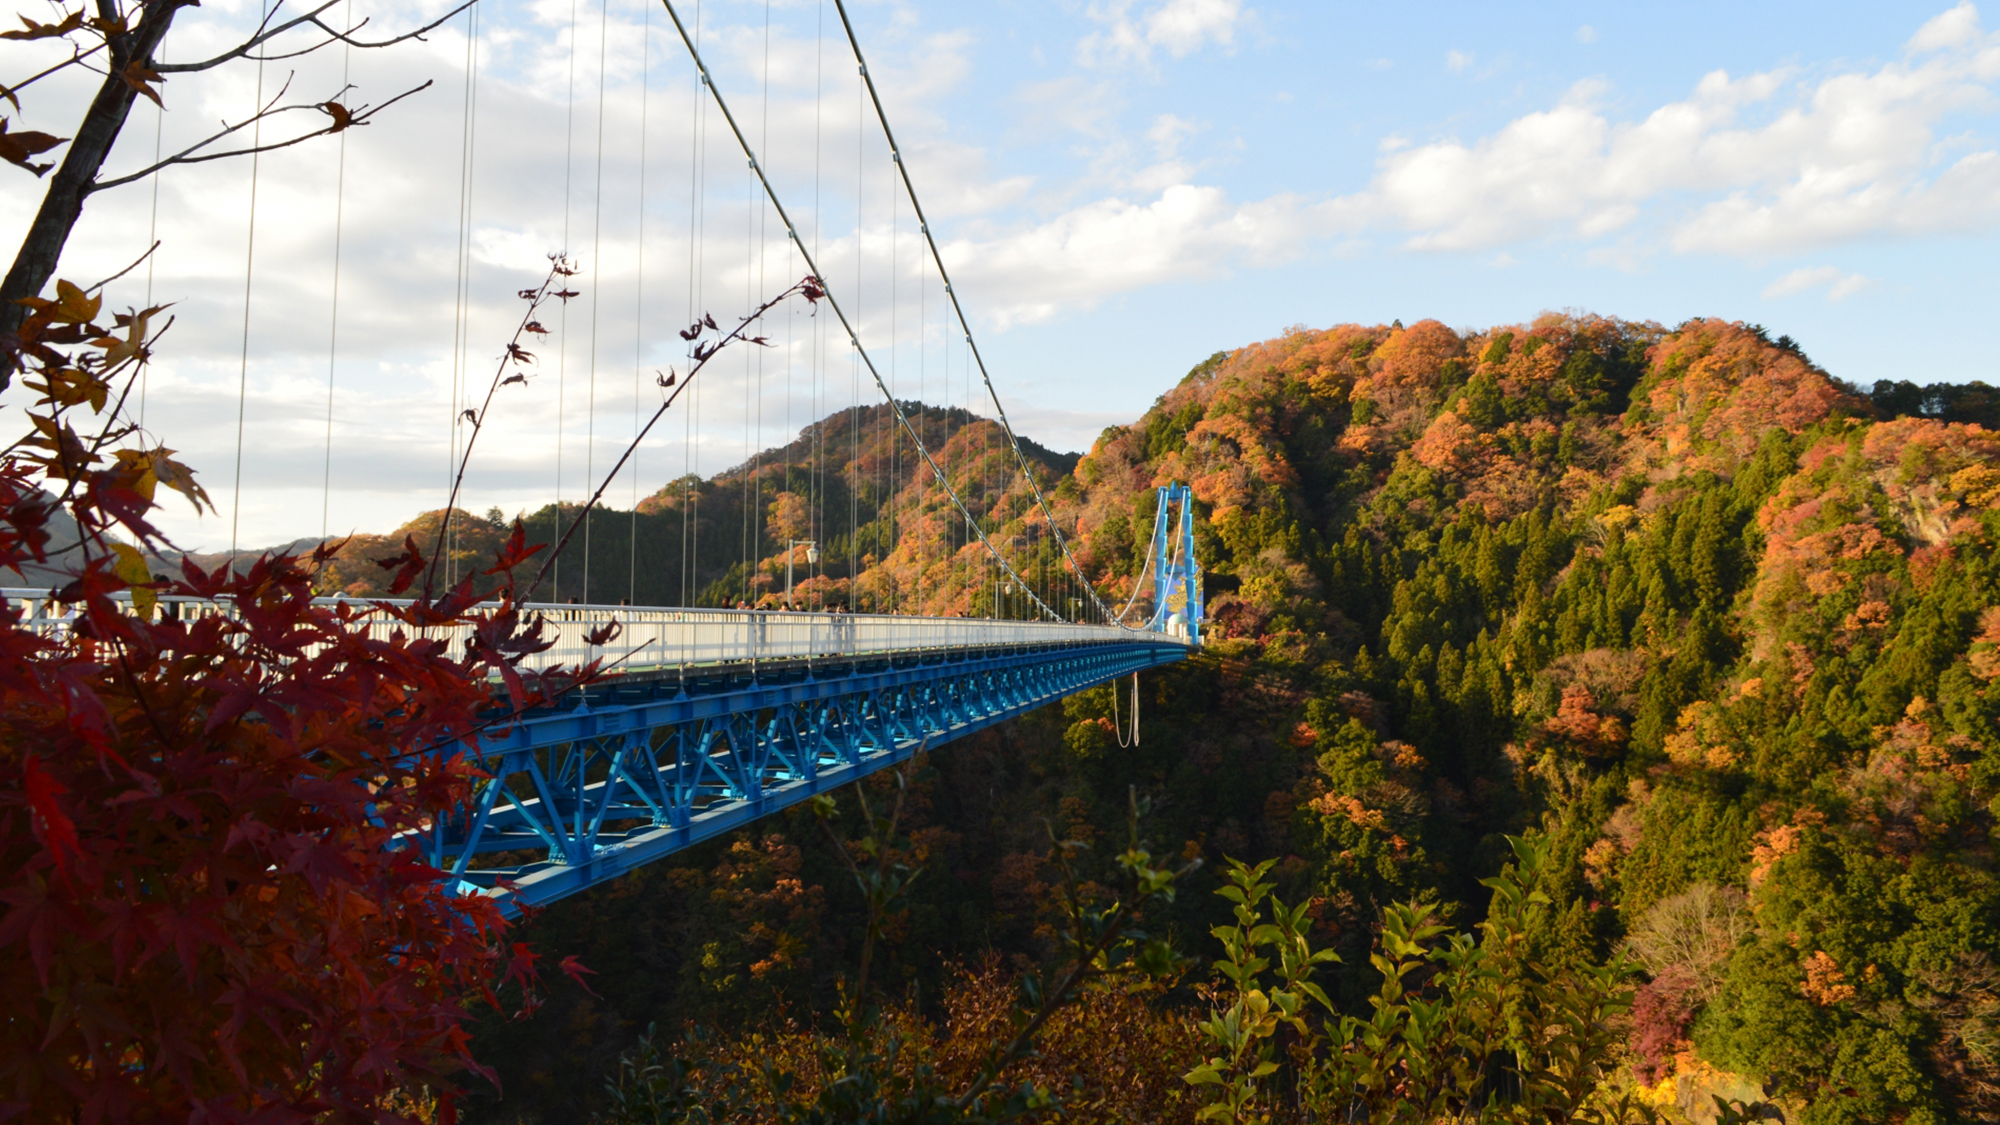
x: 1669, y: 600
x: 1947, y: 402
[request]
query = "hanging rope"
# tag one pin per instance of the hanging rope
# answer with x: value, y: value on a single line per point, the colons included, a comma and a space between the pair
x: 749, y: 479
x: 1118, y: 727
x: 690, y: 526
x: 462, y: 295
x: 751, y: 283
x: 249, y: 263
x: 597, y: 292
x: 818, y: 326
x: 854, y: 361
x: 895, y: 489
x: 639, y: 304
x: 333, y: 306
x: 756, y: 512
x: 562, y: 322
x: 153, y: 224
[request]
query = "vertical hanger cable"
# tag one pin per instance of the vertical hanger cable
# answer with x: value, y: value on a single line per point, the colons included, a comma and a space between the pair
x: 818, y: 330
x: 639, y: 303
x: 333, y: 306
x: 153, y: 226
x: 834, y: 306
x: 1000, y: 412
x: 697, y: 251
x: 562, y: 324
x: 597, y: 290
x: 461, y: 295
x: 249, y: 264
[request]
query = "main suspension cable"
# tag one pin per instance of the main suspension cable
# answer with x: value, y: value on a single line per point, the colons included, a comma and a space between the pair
x: 923, y: 226
x: 854, y: 339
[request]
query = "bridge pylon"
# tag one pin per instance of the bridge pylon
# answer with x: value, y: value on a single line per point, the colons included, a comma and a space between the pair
x: 1177, y: 595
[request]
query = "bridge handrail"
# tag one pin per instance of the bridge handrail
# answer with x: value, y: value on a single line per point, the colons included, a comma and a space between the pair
x: 667, y: 636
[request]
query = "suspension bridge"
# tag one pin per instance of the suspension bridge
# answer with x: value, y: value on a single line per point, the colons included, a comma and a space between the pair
x: 942, y: 593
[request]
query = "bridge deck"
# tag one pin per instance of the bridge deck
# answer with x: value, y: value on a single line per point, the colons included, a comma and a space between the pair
x: 656, y: 637
x: 718, y: 718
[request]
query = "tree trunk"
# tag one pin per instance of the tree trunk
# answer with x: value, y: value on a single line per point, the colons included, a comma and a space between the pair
x: 35, y: 264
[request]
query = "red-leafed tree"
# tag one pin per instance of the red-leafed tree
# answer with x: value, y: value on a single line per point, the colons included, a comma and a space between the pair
x: 204, y: 915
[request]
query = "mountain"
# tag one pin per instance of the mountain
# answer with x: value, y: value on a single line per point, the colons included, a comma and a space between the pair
x: 1723, y: 628
x: 850, y: 483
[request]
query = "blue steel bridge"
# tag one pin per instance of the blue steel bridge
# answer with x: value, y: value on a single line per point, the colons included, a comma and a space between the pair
x: 718, y: 717
x: 714, y: 718
x: 662, y: 758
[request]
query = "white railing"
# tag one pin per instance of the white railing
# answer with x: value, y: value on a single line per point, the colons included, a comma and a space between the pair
x: 653, y: 637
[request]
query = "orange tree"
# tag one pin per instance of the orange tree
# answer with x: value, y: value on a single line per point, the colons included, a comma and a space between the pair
x: 203, y: 911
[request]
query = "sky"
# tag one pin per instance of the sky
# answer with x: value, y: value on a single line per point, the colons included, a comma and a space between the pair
x: 1119, y: 188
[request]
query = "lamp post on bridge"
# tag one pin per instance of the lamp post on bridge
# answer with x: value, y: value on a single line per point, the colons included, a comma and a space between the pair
x: 791, y: 548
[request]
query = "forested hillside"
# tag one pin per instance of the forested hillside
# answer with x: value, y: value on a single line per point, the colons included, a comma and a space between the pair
x: 851, y: 483
x: 1722, y: 629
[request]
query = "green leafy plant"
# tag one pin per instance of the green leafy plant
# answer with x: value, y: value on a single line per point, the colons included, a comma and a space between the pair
x: 1248, y: 1031
x: 1462, y: 1029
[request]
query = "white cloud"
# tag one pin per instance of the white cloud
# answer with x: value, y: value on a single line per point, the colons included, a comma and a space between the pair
x: 1758, y: 165
x: 1839, y: 286
x: 1167, y: 133
x: 1180, y: 27
x: 1457, y: 60
x: 1586, y: 34
x: 1110, y: 246
x: 1955, y: 28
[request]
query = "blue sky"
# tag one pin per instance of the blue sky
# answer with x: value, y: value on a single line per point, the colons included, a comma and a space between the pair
x: 1121, y: 188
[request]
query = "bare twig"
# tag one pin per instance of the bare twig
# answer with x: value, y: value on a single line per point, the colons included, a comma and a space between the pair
x: 266, y: 33
x: 560, y: 271
x: 80, y: 54
x: 271, y: 109
x: 136, y: 262
x: 808, y: 287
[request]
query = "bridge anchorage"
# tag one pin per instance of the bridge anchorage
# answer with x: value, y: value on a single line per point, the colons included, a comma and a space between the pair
x: 726, y: 716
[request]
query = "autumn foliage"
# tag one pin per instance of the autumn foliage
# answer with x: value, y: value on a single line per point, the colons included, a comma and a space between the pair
x: 209, y: 910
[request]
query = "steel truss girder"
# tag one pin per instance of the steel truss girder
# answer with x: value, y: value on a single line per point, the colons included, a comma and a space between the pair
x: 592, y: 793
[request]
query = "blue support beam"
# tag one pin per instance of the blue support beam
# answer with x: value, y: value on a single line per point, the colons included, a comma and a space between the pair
x: 1177, y: 590
x: 645, y: 768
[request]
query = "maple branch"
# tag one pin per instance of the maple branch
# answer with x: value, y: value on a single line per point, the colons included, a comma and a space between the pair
x: 808, y: 287
x: 80, y: 54
x: 128, y: 269
x: 271, y: 109
x: 559, y: 268
x: 105, y: 437
x: 266, y: 33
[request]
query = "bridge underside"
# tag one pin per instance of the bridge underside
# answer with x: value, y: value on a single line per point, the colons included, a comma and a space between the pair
x: 653, y: 764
